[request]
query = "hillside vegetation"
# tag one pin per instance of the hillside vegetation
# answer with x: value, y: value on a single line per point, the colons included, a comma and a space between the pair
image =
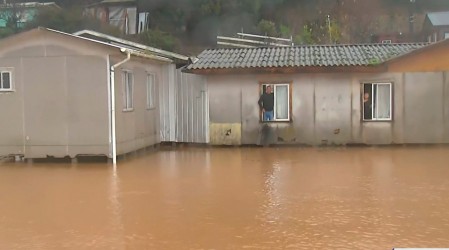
x: 189, y: 26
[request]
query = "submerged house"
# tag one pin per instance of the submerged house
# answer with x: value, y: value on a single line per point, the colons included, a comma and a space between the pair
x: 328, y: 94
x: 69, y: 95
x: 92, y: 94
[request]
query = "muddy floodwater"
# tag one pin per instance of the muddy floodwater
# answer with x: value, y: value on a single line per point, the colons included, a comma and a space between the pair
x: 231, y: 198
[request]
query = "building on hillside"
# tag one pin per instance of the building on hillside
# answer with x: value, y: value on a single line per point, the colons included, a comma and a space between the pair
x: 22, y: 13
x: 123, y: 14
x: 398, y: 37
x: 68, y: 95
x: 369, y: 94
x: 436, y: 26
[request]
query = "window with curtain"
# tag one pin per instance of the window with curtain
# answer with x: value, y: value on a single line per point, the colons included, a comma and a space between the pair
x: 150, y: 92
x: 281, y: 100
x: 128, y: 90
x: 377, y: 102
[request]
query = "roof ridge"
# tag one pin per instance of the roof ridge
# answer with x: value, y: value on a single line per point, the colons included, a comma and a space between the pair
x: 323, y: 45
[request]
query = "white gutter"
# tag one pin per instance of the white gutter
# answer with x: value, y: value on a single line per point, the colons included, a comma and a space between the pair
x: 114, y: 138
x: 108, y: 76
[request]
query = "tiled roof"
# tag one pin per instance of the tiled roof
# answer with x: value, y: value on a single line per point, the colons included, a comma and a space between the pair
x: 301, y: 56
x: 439, y: 18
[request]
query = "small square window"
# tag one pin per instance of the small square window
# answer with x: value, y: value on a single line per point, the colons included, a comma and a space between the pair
x: 151, y: 102
x: 5, y: 81
x: 377, y: 102
x: 128, y: 90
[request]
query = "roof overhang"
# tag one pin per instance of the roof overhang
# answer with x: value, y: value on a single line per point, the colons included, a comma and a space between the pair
x: 125, y: 43
x: 147, y: 56
x: 122, y: 49
x: 290, y: 70
x: 418, y: 51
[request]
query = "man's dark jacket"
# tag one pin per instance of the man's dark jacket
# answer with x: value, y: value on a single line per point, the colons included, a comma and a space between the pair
x: 266, y: 101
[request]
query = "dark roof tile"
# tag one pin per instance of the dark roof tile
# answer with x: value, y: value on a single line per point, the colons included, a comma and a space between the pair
x: 302, y: 56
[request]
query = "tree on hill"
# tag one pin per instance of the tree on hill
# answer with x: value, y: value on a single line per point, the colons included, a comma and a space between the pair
x: 11, y: 16
x: 70, y: 20
x: 198, y: 22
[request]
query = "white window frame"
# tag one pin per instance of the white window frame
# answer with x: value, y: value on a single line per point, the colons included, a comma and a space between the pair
x: 151, y: 91
x: 127, y: 95
x: 274, y: 86
x: 386, y: 41
x: 11, y: 88
x: 373, y: 85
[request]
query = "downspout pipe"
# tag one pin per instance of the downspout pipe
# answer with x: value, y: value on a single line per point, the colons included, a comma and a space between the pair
x: 114, y: 138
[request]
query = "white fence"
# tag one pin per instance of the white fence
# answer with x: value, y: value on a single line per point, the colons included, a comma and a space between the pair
x: 244, y: 40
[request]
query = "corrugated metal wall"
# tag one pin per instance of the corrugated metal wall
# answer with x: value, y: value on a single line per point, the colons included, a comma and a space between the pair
x: 183, y: 107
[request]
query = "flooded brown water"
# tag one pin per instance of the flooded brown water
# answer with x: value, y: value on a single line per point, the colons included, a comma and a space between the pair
x: 231, y: 198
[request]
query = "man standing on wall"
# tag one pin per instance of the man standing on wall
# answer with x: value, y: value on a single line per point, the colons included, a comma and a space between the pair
x: 266, y: 103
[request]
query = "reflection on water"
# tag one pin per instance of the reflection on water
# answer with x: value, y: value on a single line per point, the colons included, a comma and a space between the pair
x: 231, y: 198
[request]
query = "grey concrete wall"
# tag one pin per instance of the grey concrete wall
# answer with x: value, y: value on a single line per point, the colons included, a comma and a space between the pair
x: 446, y: 107
x: 377, y: 132
x: 332, y: 108
x: 424, y: 114
x: 321, y: 108
x: 326, y: 109
x: 226, y: 99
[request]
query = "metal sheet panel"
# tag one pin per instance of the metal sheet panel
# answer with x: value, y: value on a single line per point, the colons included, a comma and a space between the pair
x: 165, y: 99
x: 184, y: 107
x: 192, y: 110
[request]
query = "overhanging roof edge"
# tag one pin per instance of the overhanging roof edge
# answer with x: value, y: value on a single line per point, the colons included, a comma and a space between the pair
x: 134, y: 44
x: 131, y: 51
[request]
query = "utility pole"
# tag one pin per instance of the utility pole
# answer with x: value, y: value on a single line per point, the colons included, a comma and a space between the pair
x: 329, y: 28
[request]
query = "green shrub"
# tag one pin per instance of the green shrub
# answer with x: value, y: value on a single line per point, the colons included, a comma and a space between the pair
x: 158, y: 39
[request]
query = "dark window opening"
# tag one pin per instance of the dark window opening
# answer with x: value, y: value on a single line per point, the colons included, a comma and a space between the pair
x: 377, y: 102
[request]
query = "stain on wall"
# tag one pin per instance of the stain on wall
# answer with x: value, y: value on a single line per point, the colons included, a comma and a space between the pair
x: 225, y: 133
